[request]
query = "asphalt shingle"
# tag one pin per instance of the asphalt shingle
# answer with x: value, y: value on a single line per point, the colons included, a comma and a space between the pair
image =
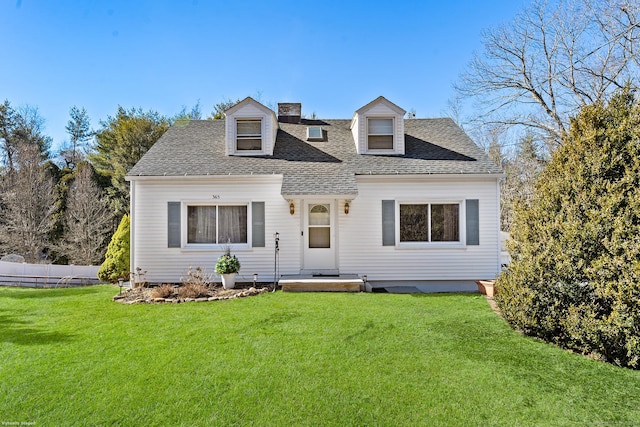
x: 432, y: 146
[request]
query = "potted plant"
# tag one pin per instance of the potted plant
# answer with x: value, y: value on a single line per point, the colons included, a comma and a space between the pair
x: 228, y: 266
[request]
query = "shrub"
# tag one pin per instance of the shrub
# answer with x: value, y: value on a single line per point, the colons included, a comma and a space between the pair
x: 116, y: 263
x: 575, y: 275
x: 193, y: 290
x: 163, y: 291
x: 227, y: 264
x: 196, y: 277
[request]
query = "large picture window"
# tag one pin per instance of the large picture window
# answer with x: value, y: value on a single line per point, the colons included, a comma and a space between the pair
x: 430, y: 222
x: 380, y: 134
x: 249, y: 135
x: 216, y: 224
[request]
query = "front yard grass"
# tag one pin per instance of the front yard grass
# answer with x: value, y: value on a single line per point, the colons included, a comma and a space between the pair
x: 74, y: 357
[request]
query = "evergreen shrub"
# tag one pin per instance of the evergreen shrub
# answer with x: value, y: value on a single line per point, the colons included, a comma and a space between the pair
x: 575, y: 273
x: 116, y: 263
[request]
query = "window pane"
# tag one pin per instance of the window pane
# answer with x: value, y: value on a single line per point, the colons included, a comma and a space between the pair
x: 233, y: 224
x: 414, y: 223
x: 201, y: 224
x: 249, y: 135
x: 314, y: 132
x: 319, y: 215
x: 249, y: 144
x: 381, y: 142
x: 249, y: 127
x: 444, y: 223
x: 380, y: 126
x: 319, y: 237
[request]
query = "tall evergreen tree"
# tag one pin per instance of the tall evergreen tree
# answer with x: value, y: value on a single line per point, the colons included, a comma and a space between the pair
x: 575, y: 275
x: 120, y: 143
x: 79, y: 130
x: 7, y: 126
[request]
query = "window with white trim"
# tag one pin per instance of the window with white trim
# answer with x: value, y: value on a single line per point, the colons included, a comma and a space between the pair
x: 248, y: 134
x: 379, y: 133
x: 216, y: 224
x: 430, y: 222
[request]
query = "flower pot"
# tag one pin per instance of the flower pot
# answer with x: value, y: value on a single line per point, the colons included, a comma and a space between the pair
x: 228, y: 280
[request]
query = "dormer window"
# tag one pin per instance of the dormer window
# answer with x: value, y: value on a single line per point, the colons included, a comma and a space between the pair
x: 378, y: 128
x: 249, y: 134
x: 250, y: 129
x: 380, y: 134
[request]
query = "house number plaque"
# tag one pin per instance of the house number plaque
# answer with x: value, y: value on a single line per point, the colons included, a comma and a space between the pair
x: 216, y: 197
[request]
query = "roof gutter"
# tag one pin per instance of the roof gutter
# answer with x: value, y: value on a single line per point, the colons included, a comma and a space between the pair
x: 432, y: 176
x: 252, y: 177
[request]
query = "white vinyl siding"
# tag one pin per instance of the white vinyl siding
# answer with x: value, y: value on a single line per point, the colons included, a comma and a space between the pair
x: 358, y: 235
x: 164, y: 264
x: 361, y: 248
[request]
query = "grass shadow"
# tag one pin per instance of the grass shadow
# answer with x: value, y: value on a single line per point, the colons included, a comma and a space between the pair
x: 16, y: 331
x: 40, y: 293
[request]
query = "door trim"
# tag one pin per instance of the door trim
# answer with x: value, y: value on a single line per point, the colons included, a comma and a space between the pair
x: 329, y: 263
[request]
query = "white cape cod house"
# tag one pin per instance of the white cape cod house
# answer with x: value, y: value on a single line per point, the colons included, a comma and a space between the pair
x: 406, y: 202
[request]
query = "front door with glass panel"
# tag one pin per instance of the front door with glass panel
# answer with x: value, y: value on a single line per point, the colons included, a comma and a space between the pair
x: 319, y: 236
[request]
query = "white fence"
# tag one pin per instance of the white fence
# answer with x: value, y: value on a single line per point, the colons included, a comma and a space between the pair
x: 47, y: 275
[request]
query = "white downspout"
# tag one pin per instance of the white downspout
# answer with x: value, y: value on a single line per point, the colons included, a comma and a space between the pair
x: 132, y: 240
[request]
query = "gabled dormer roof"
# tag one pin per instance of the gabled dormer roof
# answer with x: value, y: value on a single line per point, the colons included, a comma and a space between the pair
x: 249, y: 101
x: 380, y: 100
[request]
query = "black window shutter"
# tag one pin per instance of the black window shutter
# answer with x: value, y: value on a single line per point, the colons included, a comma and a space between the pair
x: 473, y: 222
x: 173, y: 224
x: 388, y: 223
x: 257, y: 226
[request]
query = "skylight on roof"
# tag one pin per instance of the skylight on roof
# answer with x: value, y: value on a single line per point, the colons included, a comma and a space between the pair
x: 314, y: 133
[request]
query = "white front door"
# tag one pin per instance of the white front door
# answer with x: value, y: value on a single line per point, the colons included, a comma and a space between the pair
x: 319, y: 236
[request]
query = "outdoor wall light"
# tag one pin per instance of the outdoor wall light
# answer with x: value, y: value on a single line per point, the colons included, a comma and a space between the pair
x: 255, y: 278
x: 346, y: 207
x: 292, y: 207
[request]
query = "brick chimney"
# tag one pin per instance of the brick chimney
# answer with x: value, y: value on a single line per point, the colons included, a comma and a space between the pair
x: 289, y: 112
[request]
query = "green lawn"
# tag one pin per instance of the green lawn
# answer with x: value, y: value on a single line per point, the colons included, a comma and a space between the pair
x: 73, y: 357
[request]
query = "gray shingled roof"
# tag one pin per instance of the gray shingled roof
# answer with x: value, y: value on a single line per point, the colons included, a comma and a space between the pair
x: 432, y: 146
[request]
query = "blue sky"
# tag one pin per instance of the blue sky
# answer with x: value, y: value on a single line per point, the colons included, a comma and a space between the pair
x: 333, y: 57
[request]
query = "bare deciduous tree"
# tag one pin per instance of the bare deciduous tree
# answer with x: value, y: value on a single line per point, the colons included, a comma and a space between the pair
x: 555, y: 57
x: 87, y: 220
x: 27, y: 205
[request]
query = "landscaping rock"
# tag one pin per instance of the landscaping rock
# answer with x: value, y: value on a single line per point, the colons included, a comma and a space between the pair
x: 144, y: 295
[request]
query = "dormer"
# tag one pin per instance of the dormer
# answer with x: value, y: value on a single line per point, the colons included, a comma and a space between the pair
x: 251, y: 129
x: 378, y: 128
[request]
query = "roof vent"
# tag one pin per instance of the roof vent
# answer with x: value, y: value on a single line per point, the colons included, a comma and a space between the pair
x: 289, y: 112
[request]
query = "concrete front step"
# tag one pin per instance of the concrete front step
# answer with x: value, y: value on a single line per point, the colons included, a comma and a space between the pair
x: 344, y: 283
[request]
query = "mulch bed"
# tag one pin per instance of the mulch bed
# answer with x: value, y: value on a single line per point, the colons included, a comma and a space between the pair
x: 144, y: 295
